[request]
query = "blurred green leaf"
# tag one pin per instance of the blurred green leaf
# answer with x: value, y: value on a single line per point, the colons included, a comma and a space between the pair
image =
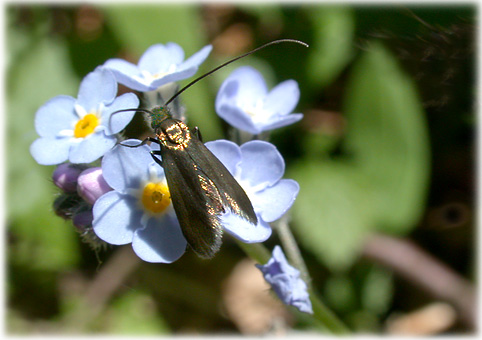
x: 140, y: 26
x: 332, y: 46
x: 377, y: 290
x: 383, y: 187
x: 332, y: 212
x: 134, y: 313
x: 387, y: 136
x: 268, y: 14
x: 37, y: 73
x: 363, y: 321
x: 340, y: 293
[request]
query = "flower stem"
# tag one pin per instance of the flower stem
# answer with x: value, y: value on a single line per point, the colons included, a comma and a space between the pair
x: 256, y: 251
x: 325, y: 316
x: 321, y: 313
x: 291, y: 247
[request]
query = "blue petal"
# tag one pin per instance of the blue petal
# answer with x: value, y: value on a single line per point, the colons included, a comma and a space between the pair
x: 175, y: 53
x: 97, y: 87
x: 243, y: 87
x: 117, y: 122
x: 127, y: 74
x: 273, y: 202
x: 160, y: 241
x: 237, y: 118
x: 158, y: 58
x: 55, y: 115
x: 227, y: 152
x: 122, y: 67
x: 245, y: 231
x: 282, y: 262
x: 283, y: 98
x: 125, y: 167
x: 286, y: 282
x: 282, y: 284
x: 91, y: 148
x: 50, y: 150
x: 300, y: 297
x: 262, y: 165
x: 172, y: 77
x: 116, y: 217
x: 197, y: 58
x: 280, y: 121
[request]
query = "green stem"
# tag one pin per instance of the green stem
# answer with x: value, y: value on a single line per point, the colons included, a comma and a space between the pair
x: 256, y: 251
x: 325, y: 316
x: 291, y: 247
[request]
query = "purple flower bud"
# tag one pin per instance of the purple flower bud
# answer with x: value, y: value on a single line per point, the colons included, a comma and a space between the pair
x: 91, y: 185
x: 83, y: 220
x: 65, y: 177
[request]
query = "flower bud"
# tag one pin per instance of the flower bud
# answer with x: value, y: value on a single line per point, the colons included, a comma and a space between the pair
x: 65, y: 177
x: 83, y: 220
x: 64, y: 205
x: 91, y: 185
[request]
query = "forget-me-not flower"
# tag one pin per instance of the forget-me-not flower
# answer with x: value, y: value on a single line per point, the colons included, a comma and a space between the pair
x: 258, y: 167
x: 139, y: 209
x: 159, y: 65
x: 286, y: 282
x: 245, y: 103
x: 81, y: 130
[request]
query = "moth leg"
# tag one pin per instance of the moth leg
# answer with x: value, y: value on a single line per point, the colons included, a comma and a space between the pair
x: 157, y: 160
x: 197, y: 133
x: 148, y: 139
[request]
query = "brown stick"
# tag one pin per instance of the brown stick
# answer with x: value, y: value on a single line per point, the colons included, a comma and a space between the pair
x: 413, y: 263
x: 111, y: 276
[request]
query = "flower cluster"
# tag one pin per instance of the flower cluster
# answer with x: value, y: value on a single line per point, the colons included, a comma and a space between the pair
x: 127, y: 199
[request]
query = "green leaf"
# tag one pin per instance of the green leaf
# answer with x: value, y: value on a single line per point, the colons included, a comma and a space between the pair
x: 332, y: 213
x: 140, y: 26
x: 38, y: 72
x: 377, y: 290
x: 332, y: 46
x: 340, y: 293
x: 387, y: 135
x: 134, y: 313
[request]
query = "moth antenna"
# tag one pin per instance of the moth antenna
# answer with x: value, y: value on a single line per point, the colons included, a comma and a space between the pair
x: 126, y: 110
x: 231, y: 61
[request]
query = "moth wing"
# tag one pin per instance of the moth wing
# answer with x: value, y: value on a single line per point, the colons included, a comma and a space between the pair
x: 233, y: 195
x: 196, y: 200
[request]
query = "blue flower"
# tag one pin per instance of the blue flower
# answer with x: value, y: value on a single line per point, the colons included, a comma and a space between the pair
x: 258, y: 167
x: 286, y: 282
x: 139, y: 209
x: 159, y: 65
x: 81, y: 130
x: 244, y: 102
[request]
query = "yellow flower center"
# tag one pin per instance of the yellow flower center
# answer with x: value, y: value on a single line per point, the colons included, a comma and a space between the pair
x: 156, y: 197
x: 86, y: 125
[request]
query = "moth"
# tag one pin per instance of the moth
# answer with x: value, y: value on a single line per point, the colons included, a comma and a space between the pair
x: 201, y: 187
